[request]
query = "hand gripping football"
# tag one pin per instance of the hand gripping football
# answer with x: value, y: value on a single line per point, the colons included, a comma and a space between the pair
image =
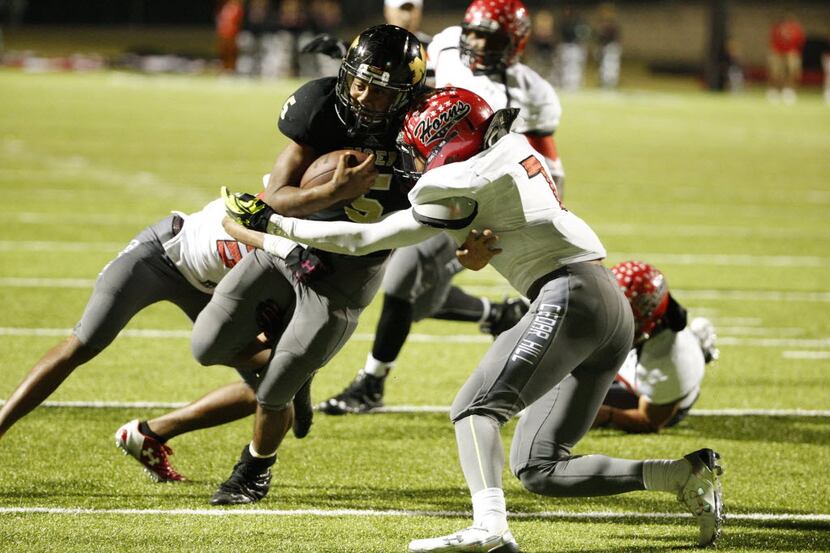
x: 322, y: 168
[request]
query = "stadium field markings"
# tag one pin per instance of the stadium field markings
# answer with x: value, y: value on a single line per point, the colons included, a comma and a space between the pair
x: 74, y: 166
x: 731, y: 260
x: 420, y: 338
x: 809, y: 355
x: 429, y: 409
x: 485, y: 289
x: 687, y: 231
x: 595, y: 515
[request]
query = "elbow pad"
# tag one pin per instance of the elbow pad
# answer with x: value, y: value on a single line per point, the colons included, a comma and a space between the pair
x: 447, y: 213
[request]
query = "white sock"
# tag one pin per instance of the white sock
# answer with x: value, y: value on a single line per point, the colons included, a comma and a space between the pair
x: 256, y: 455
x: 377, y: 368
x: 487, y: 306
x: 489, y: 510
x: 665, y: 475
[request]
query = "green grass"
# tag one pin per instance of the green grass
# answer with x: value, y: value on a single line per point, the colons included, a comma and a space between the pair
x: 739, y: 185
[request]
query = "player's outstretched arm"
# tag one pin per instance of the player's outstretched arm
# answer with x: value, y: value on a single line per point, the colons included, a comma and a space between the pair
x: 647, y: 418
x: 397, y: 230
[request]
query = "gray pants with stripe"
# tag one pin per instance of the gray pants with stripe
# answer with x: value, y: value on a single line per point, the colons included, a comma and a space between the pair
x: 318, y: 318
x: 140, y: 276
x: 558, y: 364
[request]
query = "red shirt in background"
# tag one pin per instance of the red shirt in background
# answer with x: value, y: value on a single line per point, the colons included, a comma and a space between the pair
x: 786, y: 37
x: 229, y: 19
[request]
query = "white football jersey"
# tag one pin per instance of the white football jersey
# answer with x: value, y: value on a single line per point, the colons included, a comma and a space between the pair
x: 203, y: 252
x: 539, y: 107
x: 516, y: 199
x: 669, y: 368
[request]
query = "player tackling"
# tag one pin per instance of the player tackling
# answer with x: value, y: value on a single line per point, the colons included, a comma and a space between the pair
x: 559, y: 360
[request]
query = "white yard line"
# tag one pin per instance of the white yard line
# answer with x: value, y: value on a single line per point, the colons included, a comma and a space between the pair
x: 591, y: 515
x: 809, y: 355
x: 729, y: 260
x: 65, y: 246
x: 430, y: 409
x: 422, y: 338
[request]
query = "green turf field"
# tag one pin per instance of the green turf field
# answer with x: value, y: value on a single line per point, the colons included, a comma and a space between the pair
x: 728, y: 196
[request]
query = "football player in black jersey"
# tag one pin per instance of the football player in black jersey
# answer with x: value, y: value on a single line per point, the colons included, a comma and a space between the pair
x: 319, y: 295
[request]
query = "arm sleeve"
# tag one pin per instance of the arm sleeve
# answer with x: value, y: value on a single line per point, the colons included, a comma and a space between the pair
x: 397, y: 230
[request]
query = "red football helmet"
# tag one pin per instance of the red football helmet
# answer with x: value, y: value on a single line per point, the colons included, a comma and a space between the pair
x: 647, y: 292
x: 445, y: 126
x: 505, y: 25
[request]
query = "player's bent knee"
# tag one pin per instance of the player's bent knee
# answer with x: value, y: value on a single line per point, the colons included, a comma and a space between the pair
x: 541, y: 481
x: 208, y: 352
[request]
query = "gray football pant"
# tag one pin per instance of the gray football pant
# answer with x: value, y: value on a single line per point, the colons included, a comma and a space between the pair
x: 422, y: 274
x: 319, y: 318
x: 140, y: 276
x: 558, y: 362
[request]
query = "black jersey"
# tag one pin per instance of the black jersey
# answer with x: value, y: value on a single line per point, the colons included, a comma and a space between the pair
x: 309, y: 117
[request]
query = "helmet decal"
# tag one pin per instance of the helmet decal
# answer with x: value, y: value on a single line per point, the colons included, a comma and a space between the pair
x: 445, y: 126
x: 432, y: 128
x: 371, y: 73
x: 418, y: 67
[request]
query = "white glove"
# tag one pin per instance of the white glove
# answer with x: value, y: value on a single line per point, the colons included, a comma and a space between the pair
x: 704, y: 331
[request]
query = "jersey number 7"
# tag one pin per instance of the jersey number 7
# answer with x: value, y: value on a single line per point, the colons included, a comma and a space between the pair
x: 534, y: 167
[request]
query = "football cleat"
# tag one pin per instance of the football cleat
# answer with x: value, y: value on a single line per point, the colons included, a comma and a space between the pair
x: 702, y: 494
x: 148, y: 451
x: 303, y: 412
x: 504, y: 316
x: 248, y: 483
x: 361, y: 396
x: 472, y: 539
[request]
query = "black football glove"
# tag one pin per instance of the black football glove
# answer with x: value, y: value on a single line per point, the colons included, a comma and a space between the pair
x: 328, y: 45
x: 305, y: 266
x: 247, y: 210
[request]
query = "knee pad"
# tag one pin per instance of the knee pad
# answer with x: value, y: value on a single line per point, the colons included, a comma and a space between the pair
x: 533, y: 480
x: 205, y: 352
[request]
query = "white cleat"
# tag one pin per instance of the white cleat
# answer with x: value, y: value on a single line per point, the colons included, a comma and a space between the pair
x: 472, y: 540
x: 702, y: 494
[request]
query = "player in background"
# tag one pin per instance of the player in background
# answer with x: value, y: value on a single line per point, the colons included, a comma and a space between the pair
x: 406, y: 14
x: 660, y: 379
x: 362, y: 108
x: 786, y: 45
x: 558, y: 362
x: 480, y: 55
x: 179, y: 259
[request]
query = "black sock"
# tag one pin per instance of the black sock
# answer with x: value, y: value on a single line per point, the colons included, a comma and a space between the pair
x: 257, y: 463
x: 144, y: 428
x: 461, y: 306
x: 393, y: 328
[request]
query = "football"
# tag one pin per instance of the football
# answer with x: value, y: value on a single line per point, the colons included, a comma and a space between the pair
x: 322, y: 169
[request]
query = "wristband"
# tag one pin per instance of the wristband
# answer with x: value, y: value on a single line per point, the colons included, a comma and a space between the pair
x: 277, y: 245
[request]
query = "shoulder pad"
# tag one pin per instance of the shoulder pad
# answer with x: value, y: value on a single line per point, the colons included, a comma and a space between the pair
x: 447, y: 213
x: 300, y: 112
